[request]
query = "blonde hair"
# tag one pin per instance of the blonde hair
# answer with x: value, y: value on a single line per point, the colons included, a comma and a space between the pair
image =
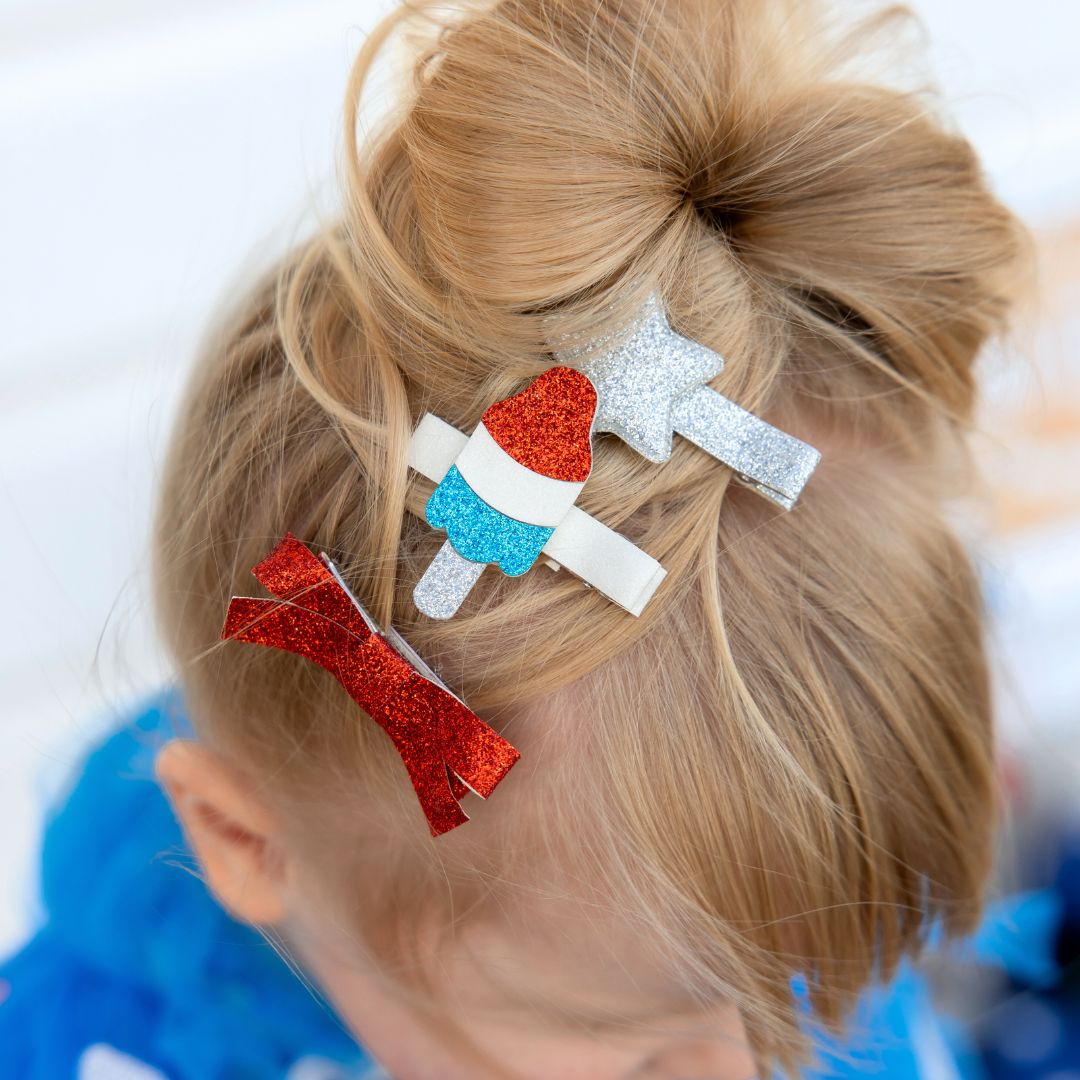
x: 785, y: 765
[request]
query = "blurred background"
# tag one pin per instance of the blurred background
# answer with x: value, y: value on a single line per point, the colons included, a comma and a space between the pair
x: 151, y: 155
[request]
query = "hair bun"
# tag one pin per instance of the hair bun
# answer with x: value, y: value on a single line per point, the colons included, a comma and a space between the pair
x: 553, y: 144
x: 544, y: 146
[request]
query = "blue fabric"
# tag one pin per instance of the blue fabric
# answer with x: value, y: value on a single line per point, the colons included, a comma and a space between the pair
x: 895, y: 1032
x: 479, y: 532
x: 880, y: 1036
x: 1018, y: 934
x: 136, y: 953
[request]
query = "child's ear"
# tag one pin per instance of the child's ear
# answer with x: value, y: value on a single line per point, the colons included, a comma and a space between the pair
x: 229, y: 828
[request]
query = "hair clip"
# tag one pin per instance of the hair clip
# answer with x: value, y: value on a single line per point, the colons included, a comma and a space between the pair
x: 447, y: 749
x: 506, y: 493
x: 651, y: 383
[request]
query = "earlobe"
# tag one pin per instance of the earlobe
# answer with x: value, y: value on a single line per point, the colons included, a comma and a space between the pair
x: 230, y: 830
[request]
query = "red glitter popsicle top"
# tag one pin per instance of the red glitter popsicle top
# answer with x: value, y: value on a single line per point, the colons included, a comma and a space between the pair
x: 547, y: 426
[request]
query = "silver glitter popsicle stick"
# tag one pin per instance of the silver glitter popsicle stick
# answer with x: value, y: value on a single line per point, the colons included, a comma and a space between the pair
x: 446, y: 582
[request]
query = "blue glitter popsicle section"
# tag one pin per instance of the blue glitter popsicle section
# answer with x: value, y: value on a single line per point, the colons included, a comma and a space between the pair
x: 478, y: 531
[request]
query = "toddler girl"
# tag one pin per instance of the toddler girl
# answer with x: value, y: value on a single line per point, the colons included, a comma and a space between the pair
x: 738, y: 809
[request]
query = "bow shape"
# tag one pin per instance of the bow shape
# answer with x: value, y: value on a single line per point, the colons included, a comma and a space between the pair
x: 446, y: 748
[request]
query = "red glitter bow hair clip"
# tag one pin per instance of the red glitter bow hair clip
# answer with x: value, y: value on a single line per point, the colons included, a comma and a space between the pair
x: 446, y: 748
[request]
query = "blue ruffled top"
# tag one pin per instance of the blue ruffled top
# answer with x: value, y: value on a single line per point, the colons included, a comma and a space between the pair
x: 136, y: 954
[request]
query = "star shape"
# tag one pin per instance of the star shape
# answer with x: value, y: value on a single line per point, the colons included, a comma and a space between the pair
x: 640, y: 377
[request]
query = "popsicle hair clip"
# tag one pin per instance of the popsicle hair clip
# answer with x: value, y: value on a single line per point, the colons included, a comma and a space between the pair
x: 447, y: 749
x: 505, y: 494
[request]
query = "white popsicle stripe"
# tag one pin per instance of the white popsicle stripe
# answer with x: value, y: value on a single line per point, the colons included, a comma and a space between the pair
x: 512, y: 488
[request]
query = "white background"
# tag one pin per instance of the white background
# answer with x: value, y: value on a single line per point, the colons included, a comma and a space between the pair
x: 148, y: 154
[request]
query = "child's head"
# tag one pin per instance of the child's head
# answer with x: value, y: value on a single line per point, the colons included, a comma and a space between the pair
x: 784, y: 765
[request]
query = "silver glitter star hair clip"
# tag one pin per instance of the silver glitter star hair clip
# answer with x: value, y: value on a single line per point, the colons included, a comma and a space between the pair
x: 506, y: 493
x: 650, y: 383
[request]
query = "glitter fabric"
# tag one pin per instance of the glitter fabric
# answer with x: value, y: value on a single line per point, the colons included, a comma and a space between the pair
x: 650, y: 382
x: 775, y: 464
x: 446, y: 583
x: 479, y: 531
x: 546, y: 427
x: 640, y: 375
x: 447, y: 749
